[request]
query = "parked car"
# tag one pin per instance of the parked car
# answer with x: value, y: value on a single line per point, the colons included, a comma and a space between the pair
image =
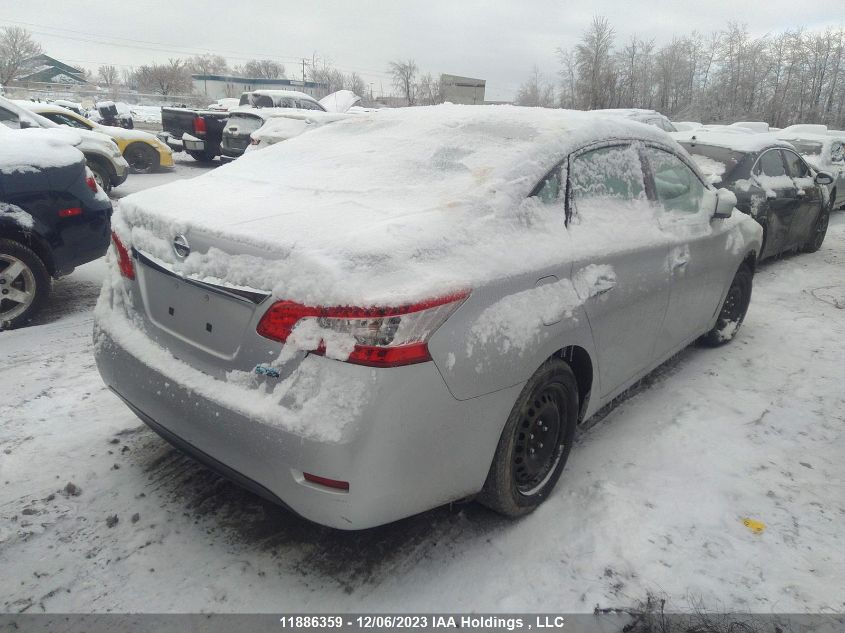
x: 53, y: 217
x: 104, y: 158
x: 772, y: 183
x: 512, y: 270
x: 264, y: 104
x: 197, y: 132
x: 649, y: 117
x: 824, y: 152
x: 285, y: 124
x: 142, y: 150
x: 758, y: 127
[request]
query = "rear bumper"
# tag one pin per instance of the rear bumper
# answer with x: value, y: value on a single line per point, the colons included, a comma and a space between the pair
x: 410, y: 447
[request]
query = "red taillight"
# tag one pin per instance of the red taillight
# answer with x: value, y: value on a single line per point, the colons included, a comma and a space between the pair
x: 92, y: 184
x: 325, y: 481
x: 199, y: 125
x: 124, y: 260
x: 380, y: 337
x: 70, y: 212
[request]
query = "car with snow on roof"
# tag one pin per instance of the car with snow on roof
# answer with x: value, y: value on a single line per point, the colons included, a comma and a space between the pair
x: 772, y: 182
x: 143, y: 151
x: 53, y: 217
x: 824, y: 152
x: 415, y: 306
x: 104, y: 158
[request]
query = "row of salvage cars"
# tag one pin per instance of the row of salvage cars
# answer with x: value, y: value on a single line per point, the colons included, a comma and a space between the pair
x: 413, y: 306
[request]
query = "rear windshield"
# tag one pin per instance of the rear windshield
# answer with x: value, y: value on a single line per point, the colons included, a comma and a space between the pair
x: 244, y: 123
x: 717, y: 163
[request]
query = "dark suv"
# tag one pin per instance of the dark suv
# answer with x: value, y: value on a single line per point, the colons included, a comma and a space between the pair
x: 53, y: 217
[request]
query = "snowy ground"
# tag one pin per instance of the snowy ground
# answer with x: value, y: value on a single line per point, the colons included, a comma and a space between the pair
x: 653, y: 498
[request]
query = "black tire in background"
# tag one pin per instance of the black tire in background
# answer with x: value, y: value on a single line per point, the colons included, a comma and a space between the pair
x: 29, y: 277
x: 816, y: 239
x: 102, y: 174
x: 142, y: 158
x: 202, y: 157
x: 535, y: 442
x: 733, y: 309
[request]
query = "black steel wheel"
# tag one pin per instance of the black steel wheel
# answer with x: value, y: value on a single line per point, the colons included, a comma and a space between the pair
x: 733, y: 309
x: 141, y: 158
x: 535, y: 442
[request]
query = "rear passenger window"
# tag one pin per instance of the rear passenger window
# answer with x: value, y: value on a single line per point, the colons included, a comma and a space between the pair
x: 770, y: 164
x: 676, y: 186
x: 263, y: 101
x: 837, y: 152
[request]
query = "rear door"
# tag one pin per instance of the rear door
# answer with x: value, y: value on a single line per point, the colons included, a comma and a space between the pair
x: 619, y: 266
x: 781, y: 200
x: 810, y: 199
x: 699, y: 261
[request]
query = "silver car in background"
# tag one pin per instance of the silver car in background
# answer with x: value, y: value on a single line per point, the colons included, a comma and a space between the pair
x: 423, y: 310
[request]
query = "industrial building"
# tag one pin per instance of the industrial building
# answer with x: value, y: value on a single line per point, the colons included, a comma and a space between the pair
x: 464, y: 90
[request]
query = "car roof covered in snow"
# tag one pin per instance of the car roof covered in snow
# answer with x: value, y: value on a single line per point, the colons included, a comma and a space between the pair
x: 383, y: 194
x: 39, y: 107
x: 293, y: 94
x: 737, y: 140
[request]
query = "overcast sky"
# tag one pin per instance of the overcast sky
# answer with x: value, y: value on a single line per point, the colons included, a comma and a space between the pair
x: 498, y: 41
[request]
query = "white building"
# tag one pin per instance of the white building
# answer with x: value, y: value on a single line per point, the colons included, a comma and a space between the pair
x: 462, y: 89
x: 221, y: 86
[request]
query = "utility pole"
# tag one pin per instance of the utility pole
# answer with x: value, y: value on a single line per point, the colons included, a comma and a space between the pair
x: 303, y: 71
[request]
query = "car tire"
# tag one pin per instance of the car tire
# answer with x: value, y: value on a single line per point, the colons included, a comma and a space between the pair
x: 29, y: 277
x: 819, y: 232
x: 202, y: 157
x: 142, y: 158
x: 101, y: 174
x: 525, y: 469
x: 733, y: 311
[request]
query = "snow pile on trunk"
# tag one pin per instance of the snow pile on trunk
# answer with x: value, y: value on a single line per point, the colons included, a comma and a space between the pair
x: 33, y: 149
x: 425, y: 200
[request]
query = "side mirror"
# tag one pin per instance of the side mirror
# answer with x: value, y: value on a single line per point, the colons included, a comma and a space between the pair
x: 823, y: 178
x: 725, y: 203
x: 24, y: 124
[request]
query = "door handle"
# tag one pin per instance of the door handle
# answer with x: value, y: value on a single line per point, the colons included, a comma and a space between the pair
x: 680, y: 263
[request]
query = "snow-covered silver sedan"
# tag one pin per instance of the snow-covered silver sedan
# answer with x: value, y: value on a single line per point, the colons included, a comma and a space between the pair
x: 415, y: 306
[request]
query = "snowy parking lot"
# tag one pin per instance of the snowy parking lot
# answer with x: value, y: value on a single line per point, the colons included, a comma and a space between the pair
x: 719, y: 482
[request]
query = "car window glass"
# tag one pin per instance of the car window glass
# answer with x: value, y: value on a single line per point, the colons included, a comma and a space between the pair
x: 770, y: 164
x: 63, y: 119
x: 549, y: 191
x: 9, y: 119
x: 308, y: 105
x: 837, y: 152
x: 797, y: 167
x: 263, y: 101
x: 676, y: 186
x: 244, y: 100
x: 607, y: 173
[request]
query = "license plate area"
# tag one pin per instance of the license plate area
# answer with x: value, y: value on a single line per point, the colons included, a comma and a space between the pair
x: 210, y: 321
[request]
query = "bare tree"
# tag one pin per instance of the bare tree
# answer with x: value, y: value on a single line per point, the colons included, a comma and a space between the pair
x: 404, y: 79
x: 108, y: 75
x: 208, y: 64
x: 429, y: 90
x: 172, y: 78
x: 596, y: 74
x: 263, y: 69
x: 536, y: 91
x: 16, y: 48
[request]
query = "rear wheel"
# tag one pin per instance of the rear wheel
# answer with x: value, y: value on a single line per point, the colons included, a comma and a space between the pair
x: 24, y: 284
x: 817, y: 238
x: 733, y: 309
x: 535, y: 442
x: 141, y: 158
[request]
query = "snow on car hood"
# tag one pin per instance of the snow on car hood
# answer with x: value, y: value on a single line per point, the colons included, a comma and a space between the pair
x: 382, y: 207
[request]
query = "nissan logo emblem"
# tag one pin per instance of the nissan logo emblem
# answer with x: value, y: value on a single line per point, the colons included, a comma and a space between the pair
x: 181, y: 246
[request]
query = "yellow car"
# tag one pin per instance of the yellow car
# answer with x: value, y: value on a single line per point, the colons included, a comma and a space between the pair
x: 142, y: 150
